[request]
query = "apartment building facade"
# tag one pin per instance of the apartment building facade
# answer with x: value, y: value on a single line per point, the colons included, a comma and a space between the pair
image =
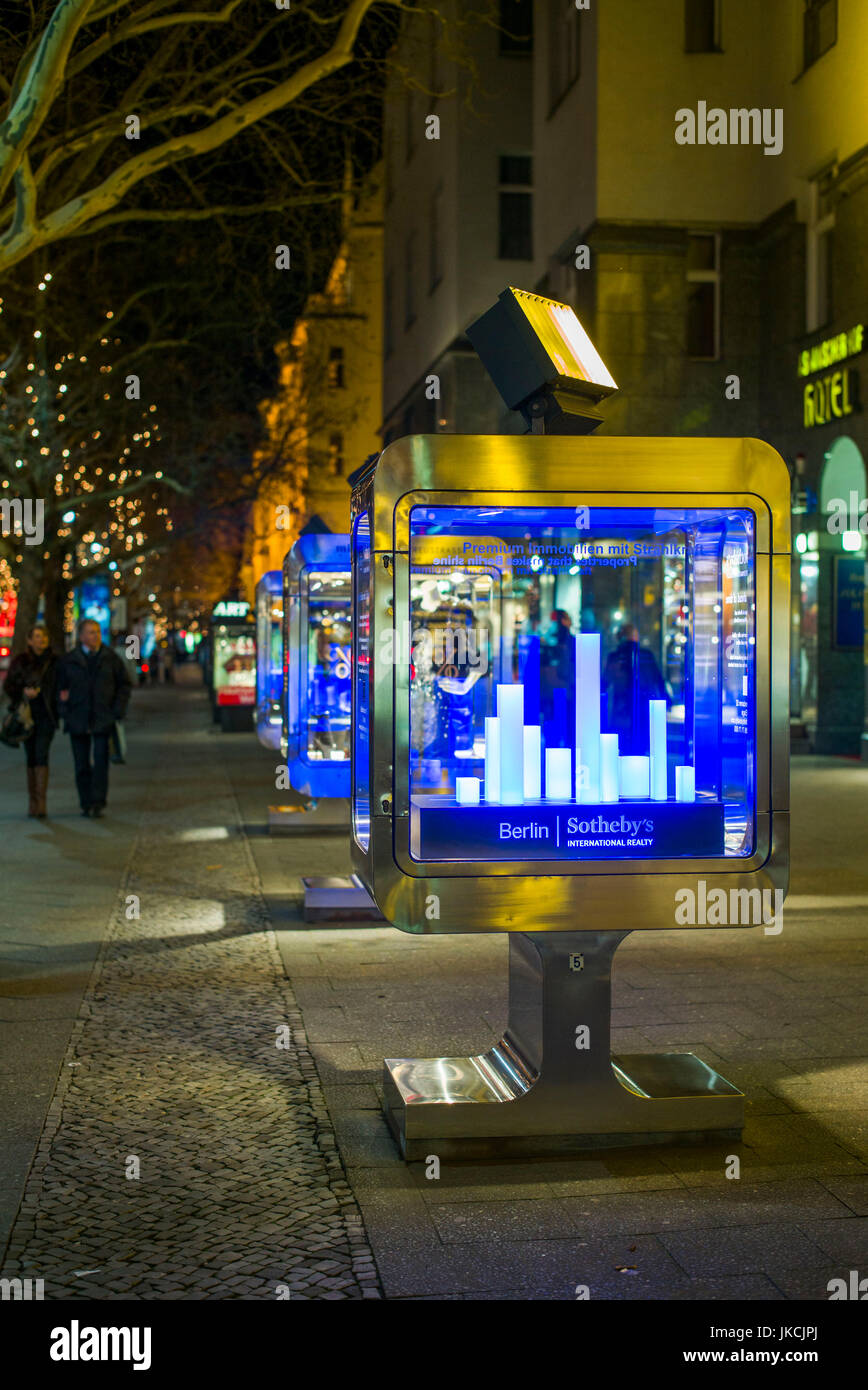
x: 697, y: 188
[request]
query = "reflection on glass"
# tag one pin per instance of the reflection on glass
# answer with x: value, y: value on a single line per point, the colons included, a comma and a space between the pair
x: 329, y: 638
x: 592, y: 671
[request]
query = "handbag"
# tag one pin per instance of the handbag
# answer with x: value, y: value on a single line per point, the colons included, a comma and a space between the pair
x: 17, y: 725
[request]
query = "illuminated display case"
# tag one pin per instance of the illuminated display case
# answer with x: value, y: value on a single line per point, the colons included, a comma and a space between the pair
x: 269, y: 658
x: 574, y: 671
x: 233, y: 664
x: 317, y: 654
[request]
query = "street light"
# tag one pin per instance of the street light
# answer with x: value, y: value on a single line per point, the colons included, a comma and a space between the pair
x: 542, y: 362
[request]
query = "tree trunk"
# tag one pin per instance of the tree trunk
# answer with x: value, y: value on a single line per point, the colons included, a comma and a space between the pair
x: 29, y: 576
x: 56, y: 592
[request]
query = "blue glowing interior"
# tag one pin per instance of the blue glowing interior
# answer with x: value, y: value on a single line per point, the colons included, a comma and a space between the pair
x: 582, y: 683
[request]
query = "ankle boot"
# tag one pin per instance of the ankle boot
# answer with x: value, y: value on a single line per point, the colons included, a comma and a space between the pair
x: 33, y: 804
x: 41, y: 791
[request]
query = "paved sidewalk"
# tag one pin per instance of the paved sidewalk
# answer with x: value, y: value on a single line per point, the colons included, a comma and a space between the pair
x: 245, y: 1149
x: 784, y: 1017
x: 187, y: 1151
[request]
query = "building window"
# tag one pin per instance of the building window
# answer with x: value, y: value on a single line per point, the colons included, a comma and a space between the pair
x: 336, y: 454
x: 516, y: 27
x: 703, y: 295
x: 820, y: 28
x: 564, y: 49
x: 410, y: 280
x: 701, y: 26
x: 515, y: 208
x: 435, y: 260
x: 821, y: 240
x: 336, y: 367
x: 388, y: 314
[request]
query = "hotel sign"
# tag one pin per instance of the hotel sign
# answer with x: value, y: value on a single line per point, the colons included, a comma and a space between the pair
x: 834, y: 395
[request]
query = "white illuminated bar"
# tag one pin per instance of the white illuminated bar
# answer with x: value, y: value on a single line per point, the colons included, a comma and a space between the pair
x: 634, y: 773
x: 510, y: 712
x: 685, y: 784
x: 588, y: 715
x: 492, y: 758
x: 559, y: 774
x: 657, y: 729
x: 532, y: 762
x: 608, y: 767
x: 467, y: 791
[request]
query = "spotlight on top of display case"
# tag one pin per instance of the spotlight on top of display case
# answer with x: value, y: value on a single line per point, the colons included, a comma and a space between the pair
x: 542, y: 362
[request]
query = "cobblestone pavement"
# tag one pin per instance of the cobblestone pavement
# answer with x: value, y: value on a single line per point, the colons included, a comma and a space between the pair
x: 188, y: 1152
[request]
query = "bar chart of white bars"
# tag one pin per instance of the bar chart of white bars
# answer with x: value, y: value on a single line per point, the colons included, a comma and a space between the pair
x: 592, y: 772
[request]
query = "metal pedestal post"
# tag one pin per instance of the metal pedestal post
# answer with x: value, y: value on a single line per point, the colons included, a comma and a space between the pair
x: 322, y: 816
x: 551, y: 1085
x: 339, y: 900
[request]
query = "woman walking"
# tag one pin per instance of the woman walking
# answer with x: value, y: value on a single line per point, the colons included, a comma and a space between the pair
x: 32, y: 676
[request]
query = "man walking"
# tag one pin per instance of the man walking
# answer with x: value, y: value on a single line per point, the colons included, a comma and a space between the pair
x: 93, y: 693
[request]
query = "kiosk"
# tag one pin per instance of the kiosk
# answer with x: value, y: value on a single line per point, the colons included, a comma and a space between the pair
x: 269, y: 659
x: 581, y: 793
x: 316, y: 679
x: 316, y: 706
x: 233, y: 665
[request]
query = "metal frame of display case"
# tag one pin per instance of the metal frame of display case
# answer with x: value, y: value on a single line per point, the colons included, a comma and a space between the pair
x: 565, y: 918
x: 267, y: 712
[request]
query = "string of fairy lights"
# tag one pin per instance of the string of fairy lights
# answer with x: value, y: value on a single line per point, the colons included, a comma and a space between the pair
x: 52, y: 440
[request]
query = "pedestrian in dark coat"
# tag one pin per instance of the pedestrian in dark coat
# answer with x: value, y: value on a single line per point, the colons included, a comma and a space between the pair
x: 93, y: 690
x: 32, y: 676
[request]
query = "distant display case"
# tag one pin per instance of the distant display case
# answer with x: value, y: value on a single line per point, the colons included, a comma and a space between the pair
x: 317, y: 655
x: 570, y: 686
x: 233, y: 664
x: 269, y: 658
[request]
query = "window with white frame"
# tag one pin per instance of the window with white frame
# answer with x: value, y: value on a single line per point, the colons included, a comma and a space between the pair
x: 564, y: 48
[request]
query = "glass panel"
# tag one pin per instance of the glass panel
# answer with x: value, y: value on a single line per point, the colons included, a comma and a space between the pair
x: 361, y: 673
x: 328, y: 666
x: 269, y: 652
x: 582, y: 683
